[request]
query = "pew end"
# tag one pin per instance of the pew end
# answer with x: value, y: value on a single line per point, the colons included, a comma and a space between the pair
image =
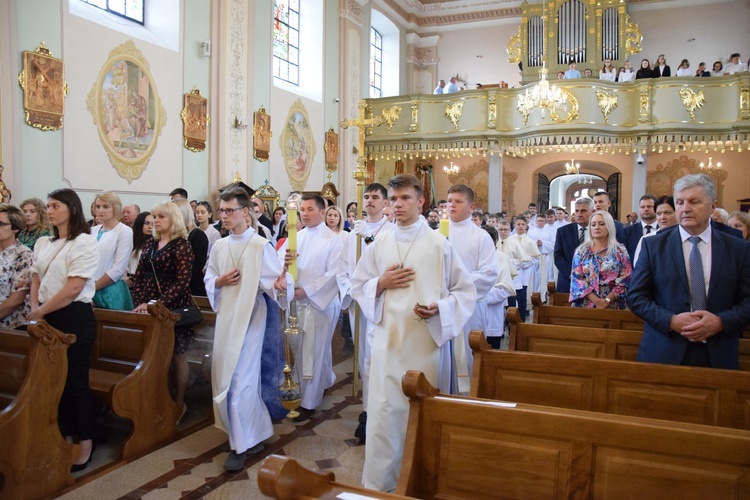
x: 514, y: 319
x: 551, y: 289
x: 285, y: 479
x: 35, y: 459
x: 478, y: 344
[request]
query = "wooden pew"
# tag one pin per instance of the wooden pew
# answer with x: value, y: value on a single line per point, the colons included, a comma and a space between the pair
x: 589, y: 342
x: 677, y: 393
x: 460, y: 447
x: 284, y: 478
x: 35, y: 459
x: 466, y: 448
x: 129, y: 371
x: 555, y: 298
x: 578, y: 316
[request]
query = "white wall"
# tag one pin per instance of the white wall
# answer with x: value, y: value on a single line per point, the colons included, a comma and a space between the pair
x: 718, y: 29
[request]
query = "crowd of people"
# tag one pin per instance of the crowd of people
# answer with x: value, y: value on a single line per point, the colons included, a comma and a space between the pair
x: 426, y: 278
x: 659, y: 69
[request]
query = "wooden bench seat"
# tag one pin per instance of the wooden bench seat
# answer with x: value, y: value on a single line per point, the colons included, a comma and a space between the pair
x: 589, y: 342
x: 284, y: 478
x: 35, y: 459
x: 599, y: 318
x: 467, y: 448
x: 130, y: 362
x: 678, y: 393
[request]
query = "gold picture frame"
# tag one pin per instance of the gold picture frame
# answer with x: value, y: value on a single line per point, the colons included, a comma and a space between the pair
x: 195, y: 121
x: 331, y: 148
x: 261, y: 135
x: 127, y: 111
x: 44, y: 88
x: 297, y: 145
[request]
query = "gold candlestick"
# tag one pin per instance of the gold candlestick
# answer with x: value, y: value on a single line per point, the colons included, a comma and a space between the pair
x: 290, y: 392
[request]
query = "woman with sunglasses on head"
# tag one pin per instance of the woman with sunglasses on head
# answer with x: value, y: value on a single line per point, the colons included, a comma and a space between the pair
x: 62, y: 288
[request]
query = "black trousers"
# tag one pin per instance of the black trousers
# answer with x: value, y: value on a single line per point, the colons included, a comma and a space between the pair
x: 696, y: 354
x: 520, y: 301
x: 75, y: 413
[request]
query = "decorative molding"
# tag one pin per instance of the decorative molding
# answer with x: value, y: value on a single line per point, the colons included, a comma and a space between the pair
x: 607, y: 102
x: 422, y: 41
x: 353, y: 12
x: 661, y: 180
x: 429, y: 15
x: 237, y: 87
x: 422, y: 57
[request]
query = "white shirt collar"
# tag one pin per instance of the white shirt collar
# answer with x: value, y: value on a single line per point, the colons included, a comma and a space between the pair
x: 705, y: 236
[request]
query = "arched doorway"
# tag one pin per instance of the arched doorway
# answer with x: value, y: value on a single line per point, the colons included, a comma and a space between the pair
x: 555, y: 187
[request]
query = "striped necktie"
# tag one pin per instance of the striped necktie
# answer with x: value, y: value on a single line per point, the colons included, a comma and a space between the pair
x: 697, y: 280
x: 581, y: 235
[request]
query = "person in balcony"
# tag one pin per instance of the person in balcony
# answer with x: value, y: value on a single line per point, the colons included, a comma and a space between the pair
x: 644, y: 71
x: 660, y: 68
x: 572, y: 73
x: 626, y: 73
x: 608, y: 72
x: 684, y: 69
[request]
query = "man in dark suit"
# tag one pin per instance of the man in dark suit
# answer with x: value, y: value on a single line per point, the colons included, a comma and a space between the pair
x: 647, y: 225
x: 569, y: 237
x: 692, y: 286
x: 603, y: 203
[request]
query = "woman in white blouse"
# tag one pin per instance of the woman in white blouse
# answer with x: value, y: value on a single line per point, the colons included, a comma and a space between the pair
x: 626, y: 73
x: 608, y: 71
x: 115, y: 243
x: 62, y: 287
x: 684, y: 69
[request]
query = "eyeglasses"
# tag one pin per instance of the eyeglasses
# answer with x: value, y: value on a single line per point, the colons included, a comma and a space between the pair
x: 229, y: 211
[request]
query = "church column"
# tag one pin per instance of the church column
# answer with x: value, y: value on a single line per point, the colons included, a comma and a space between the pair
x: 352, y: 60
x: 495, y: 182
x: 421, y: 63
x: 640, y: 169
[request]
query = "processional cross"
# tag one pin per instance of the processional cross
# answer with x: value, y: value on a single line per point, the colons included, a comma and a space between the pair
x: 359, y: 175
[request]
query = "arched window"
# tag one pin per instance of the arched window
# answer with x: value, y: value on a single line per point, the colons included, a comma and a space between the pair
x: 131, y: 10
x: 286, y: 40
x: 376, y: 63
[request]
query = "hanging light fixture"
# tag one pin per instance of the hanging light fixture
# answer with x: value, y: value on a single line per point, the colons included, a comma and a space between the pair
x: 544, y: 97
x: 573, y: 168
x: 452, y: 170
x: 711, y: 166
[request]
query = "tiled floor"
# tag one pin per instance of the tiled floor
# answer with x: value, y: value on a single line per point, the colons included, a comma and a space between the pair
x: 193, y: 466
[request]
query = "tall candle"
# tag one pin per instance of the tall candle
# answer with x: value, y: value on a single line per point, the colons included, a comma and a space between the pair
x: 291, y: 224
x: 444, y: 223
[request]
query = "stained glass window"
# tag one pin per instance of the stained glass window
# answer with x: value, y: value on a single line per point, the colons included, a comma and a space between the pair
x: 286, y: 40
x: 129, y: 9
x: 376, y: 63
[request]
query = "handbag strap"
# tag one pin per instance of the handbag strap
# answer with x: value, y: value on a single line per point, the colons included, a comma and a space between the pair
x: 156, y: 276
x: 41, y: 275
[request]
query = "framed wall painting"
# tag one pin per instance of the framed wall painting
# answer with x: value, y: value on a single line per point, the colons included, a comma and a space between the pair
x: 297, y: 145
x: 195, y: 121
x: 331, y: 147
x: 127, y: 111
x: 44, y: 89
x: 261, y: 135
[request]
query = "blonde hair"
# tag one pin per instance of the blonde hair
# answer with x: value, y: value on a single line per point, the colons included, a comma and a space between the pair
x: 341, y: 216
x: 188, y: 217
x: 113, y: 199
x: 171, y: 212
x: 41, y: 213
x: 743, y: 217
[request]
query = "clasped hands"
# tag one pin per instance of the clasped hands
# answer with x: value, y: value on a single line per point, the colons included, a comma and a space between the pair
x: 398, y: 277
x: 697, y: 325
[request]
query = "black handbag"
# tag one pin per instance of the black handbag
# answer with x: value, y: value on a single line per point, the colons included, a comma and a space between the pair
x: 189, y: 315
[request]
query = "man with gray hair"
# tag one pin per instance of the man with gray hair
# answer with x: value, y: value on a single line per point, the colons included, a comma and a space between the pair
x: 569, y: 237
x: 720, y: 215
x: 692, y: 285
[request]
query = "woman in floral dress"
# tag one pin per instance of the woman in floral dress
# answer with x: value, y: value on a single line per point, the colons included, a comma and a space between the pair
x: 15, y: 269
x: 601, y: 267
x: 163, y: 274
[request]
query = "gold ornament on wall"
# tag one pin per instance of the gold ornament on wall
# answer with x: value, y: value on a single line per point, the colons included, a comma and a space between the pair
x: 692, y: 100
x: 514, y: 47
x: 453, y: 112
x: 331, y: 148
x: 44, y: 88
x: 607, y: 102
x: 633, y: 37
x: 127, y: 111
x: 390, y: 116
x: 195, y: 121
x: 261, y: 135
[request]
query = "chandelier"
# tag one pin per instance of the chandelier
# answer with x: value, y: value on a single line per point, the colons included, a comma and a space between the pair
x: 573, y: 168
x: 547, y: 98
x: 452, y: 170
x: 711, y: 166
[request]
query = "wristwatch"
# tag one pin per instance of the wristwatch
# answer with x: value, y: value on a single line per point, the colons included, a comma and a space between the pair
x: 607, y: 300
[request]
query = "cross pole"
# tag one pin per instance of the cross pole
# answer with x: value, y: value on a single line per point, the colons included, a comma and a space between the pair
x: 360, y: 175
